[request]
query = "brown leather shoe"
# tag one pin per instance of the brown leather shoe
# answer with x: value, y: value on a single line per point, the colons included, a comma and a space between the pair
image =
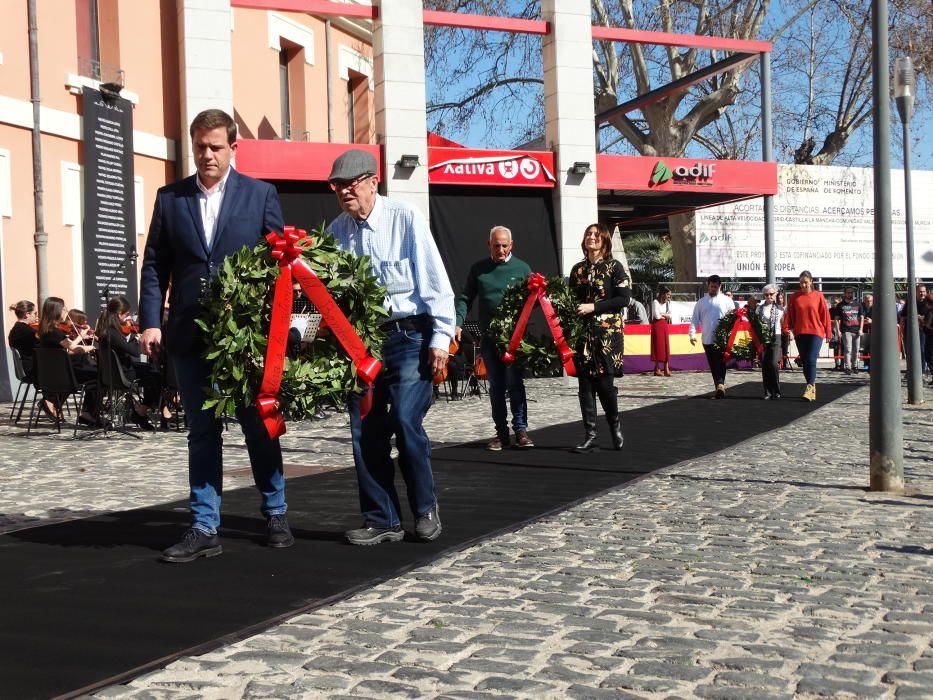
x: 496, y: 444
x: 522, y: 440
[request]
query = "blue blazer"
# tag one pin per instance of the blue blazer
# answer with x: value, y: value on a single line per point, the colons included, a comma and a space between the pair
x: 177, y: 253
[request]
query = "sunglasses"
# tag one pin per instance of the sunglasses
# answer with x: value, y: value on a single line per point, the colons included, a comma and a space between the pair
x: 339, y: 185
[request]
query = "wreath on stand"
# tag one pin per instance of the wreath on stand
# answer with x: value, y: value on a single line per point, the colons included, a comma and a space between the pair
x: 539, y: 356
x: 740, y: 335
x: 238, y: 304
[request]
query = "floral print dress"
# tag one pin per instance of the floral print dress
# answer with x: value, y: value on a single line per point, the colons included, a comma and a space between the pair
x: 605, y: 284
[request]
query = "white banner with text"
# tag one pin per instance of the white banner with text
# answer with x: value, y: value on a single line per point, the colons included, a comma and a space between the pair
x: 823, y: 222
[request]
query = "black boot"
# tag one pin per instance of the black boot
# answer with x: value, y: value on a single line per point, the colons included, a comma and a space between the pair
x: 609, y: 398
x: 588, y: 411
x: 615, y: 430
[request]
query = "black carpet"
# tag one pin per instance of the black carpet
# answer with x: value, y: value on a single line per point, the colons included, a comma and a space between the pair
x: 86, y: 602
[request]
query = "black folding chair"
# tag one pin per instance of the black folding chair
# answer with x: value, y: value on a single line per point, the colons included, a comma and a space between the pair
x: 25, y: 384
x: 117, y: 393
x: 55, y: 382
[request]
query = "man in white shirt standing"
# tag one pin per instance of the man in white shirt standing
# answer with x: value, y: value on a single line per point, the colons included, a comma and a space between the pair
x: 707, y: 313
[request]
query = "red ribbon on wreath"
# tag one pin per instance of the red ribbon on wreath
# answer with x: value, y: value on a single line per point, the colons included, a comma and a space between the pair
x: 287, y: 250
x: 537, y: 285
x: 741, y: 323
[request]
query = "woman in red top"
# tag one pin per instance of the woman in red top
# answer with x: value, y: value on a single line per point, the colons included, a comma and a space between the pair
x: 807, y: 321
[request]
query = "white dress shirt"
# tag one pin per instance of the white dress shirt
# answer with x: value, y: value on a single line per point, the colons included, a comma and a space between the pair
x: 209, y: 201
x: 707, y: 313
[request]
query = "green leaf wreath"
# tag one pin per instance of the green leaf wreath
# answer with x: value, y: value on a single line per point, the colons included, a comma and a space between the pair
x: 237, y: 310
x: 743, y: 349
x: 538, y: 355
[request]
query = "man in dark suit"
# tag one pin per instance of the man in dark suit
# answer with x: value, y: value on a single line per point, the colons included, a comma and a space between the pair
x: 196, y: 223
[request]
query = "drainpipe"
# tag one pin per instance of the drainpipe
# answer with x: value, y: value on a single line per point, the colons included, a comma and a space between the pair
x: 330, y: 81
x: 41, y: 237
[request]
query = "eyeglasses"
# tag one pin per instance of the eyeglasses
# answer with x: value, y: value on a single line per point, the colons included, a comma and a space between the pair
x: 337, y: 185
x: 769, y: 294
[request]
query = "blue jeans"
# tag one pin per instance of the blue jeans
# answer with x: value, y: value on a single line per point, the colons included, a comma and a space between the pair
x: 205, y: 450
x: 503, y: 377
x: 809, y: 348
x: 402, y: 394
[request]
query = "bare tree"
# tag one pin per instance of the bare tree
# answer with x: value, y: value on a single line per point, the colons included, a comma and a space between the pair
x: 822, y: 84
x: 828, y: 52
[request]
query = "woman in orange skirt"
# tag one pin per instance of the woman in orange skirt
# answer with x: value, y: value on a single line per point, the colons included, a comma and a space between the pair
x: 660, y: 340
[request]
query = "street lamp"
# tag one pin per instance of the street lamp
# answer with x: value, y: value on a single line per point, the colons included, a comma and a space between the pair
x: 904, y: 86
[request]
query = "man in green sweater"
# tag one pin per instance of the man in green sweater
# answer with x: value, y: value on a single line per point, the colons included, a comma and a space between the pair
x: 486, y: 282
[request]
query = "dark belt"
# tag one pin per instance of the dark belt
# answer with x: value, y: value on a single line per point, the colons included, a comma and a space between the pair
x: 409, y: 323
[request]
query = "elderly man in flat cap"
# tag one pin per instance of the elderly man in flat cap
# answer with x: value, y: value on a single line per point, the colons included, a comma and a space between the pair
x: 420, y: 301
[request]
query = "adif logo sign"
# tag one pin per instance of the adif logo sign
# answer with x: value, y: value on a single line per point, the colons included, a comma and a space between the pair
x: 699, y: 171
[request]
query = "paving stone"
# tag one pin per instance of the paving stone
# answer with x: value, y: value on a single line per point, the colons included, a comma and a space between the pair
x: 582, y: 692
x: 521, y: 686
x: 396, y: 690
x: 722, y: 692
x: 746, y: 663
x: 647, y: 685
x: 683, y: 672
x: 838, y: 672
x: 414, y: 674
x: 826, y: 687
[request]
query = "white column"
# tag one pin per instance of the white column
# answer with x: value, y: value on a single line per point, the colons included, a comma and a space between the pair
x: 401, y: 124
x: 205, y: 61
x: 569, y: 126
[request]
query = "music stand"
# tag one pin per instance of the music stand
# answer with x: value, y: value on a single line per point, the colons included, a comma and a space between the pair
x: 471, y: 384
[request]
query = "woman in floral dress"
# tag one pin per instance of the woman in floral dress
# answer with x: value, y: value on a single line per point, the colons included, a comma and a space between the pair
x: 602, y: 291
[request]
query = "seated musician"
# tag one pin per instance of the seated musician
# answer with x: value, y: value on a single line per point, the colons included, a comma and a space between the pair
x: 75, y: 326
x: 115, y: 331
x: 52, y: 324
x: 23, y: 336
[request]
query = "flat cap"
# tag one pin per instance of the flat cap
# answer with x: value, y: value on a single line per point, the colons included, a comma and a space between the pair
x: 349, y: 165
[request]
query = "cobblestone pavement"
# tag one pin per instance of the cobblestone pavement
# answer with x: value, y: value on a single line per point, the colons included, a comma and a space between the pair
x: 762, y: 571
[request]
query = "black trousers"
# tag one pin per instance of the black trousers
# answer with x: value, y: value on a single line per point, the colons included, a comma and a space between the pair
x: 716, y: 366
x: 603, y: 386
x: 769, y: 369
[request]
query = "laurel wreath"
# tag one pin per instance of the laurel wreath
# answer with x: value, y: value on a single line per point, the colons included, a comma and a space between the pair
x: 743, y: 348
x: 237, y: 306
x: 538, y: 355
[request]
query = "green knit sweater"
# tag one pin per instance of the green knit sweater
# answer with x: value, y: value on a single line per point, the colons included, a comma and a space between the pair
x: 486, y: 282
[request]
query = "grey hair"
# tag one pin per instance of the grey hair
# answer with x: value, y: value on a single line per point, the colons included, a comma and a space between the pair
x: 768, y: 288
x: 493, y: 230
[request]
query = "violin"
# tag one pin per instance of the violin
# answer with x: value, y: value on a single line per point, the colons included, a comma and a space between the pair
x: 73, y: 332
x: 441, y: 376
x: 129, y: 326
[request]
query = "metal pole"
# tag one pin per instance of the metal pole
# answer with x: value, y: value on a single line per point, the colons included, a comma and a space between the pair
x: 767, y: 155
x: 911, y: 325
x: 886, y: 438
x: 41, y: 238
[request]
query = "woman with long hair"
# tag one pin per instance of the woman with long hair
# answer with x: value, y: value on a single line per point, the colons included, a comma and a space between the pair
x: 111, y: 336
x: 602, y: 291
x: 54, y: 315
x: 22, y: 336
x: 660, y: 336
x: 809, y: 324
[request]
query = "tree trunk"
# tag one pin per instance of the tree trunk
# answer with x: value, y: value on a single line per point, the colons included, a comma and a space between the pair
x: 683, y: 242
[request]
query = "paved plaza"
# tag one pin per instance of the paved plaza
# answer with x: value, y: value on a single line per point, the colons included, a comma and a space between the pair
x: 766, y: 570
